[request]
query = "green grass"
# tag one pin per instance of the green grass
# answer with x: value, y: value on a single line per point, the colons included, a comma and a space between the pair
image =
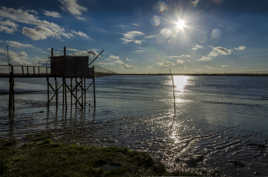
x: 41, y: 157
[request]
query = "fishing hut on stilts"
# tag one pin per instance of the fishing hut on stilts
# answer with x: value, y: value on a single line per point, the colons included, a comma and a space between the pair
x: 68, y: 76
x: 72, y: 77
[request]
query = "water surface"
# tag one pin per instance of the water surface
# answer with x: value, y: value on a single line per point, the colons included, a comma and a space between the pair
x: 220, y: 121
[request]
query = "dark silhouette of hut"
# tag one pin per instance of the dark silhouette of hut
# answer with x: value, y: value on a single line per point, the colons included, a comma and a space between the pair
x: 69, y: 65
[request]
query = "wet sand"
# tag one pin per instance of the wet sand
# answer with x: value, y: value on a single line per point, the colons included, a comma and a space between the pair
x: 219, y: 153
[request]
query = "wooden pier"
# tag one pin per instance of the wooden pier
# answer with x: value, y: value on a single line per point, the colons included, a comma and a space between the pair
x: 67, y: 75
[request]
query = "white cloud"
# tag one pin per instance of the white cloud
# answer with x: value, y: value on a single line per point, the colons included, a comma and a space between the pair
x: 161, y: 6
x: 81, y: 18
x: 205, y: 58
x: 167, y: 33
x: 17, y: 44
x: 74, y: 8
x: 15, y: 57
x: 35, y: 33
x: 133, y: 34
x: 41, y: 29
x: 113, y: 57
x: 224, y: 66
x: 19, y: 15
x: 174, y: 61
x: 216, y: 51
x: 240, y: 48
x: 195, y: 2
x: 180, y: 57
x: 43, y: 32
x: 79, y: 52
x: 81, y: 34
x: 197, y: 47
x: 132, y: 37
x: 150, y: 36
x: 115, y: 60
x: 179, y: 61
x: 166, y: 64
x: 127, y: 66
x: 156, y: 20
x: 220, y: 51
x: 8, y: 26
x: 52, y: 14
x: 139, y: 51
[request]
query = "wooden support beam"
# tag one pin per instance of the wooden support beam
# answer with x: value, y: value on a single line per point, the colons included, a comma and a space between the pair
x: 52, y: 88
x: 63, y: 94
x: 66, y: 94
x: 22, y: 69
x: 76, y: 92
x: 82, y: 92
x: 48, y: 97
x: 55, y: 91
x: 94, y: 89
x: 85, y: 93
x: 57, y: 95
x: 77, y: 99
x: 11, y: 105
x: 64, y: 51
x: 71, y: 94
x: 52, y: 52
x: 89, y: 85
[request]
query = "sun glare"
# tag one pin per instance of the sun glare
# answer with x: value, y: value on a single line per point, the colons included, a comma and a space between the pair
x: 180, y: 24
x: 180, y: 82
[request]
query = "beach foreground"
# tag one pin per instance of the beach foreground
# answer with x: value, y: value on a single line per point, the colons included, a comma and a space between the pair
x: 42, y: 155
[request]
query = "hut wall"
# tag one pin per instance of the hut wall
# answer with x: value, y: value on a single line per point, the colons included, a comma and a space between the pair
x: 69, y: 65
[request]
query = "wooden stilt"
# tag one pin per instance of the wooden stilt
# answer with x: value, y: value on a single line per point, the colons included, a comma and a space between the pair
x: 71, y: 94
x: 82, y: 92
x: 85, y: 94
x: 76, y: 92
x: 27, y: 67
x: 94, y: 90
x: 63, y: 94
x: 22, y: 69
x: 57, y: 95
x: 48, y: 97
x: 11, y: 105
x: 66, y: 97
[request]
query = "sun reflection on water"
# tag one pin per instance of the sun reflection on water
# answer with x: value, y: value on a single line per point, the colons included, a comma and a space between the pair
x: 180, y: 82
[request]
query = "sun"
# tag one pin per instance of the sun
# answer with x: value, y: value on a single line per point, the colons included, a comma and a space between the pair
x: 180, y: 24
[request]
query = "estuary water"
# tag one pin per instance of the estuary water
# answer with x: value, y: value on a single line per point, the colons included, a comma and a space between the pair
x: 219, y: 122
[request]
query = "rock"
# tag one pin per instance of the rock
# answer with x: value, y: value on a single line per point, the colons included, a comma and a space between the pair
x: 191, y: 161
x: 260, y: 146
x: 237, y: 163
x: 2, y: 167
x: 177, y: 160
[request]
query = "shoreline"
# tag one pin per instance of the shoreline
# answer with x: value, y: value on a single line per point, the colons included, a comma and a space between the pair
x: 39, y: 155
x: 123, y: 133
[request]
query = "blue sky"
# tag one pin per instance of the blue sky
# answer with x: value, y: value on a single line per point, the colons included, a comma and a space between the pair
x: 138, y: 36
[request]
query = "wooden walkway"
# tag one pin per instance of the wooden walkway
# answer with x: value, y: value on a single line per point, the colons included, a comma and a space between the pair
x: 75, y: 90
x: 30, y: 71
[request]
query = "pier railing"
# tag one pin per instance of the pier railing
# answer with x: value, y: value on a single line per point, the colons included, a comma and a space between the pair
x: 24, y: 69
